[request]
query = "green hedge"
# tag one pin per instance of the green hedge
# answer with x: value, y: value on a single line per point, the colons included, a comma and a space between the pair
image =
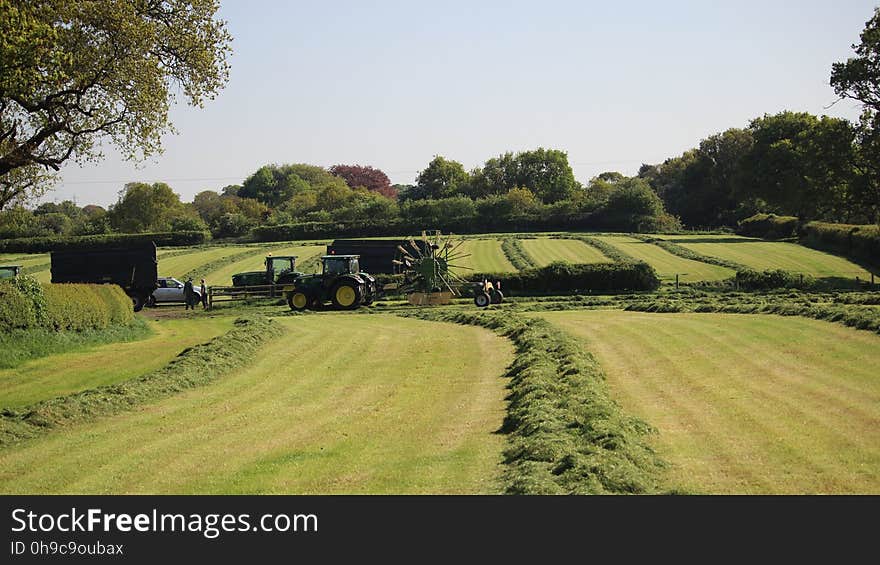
x: 580, y: 278
x: 860, y: 242
x: 77, y: 307
x: 57, y: 243
x: 748, y: 279
x: 768, y: 226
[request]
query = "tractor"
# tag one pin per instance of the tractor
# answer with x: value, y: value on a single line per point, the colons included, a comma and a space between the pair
x: 340, y: 282
x: 10, y: 271
x: 280, y: 269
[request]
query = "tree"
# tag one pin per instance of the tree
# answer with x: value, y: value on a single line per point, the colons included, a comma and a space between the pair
x: 545, y: 172
x: 74, y: 73
x: 372, y: 179
x: 858, y: 78
x: 440, y: 179
x: 145, y: 208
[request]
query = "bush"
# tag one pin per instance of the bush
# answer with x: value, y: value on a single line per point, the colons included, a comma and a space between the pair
x: 16, y: 311
x: 47, y: 244
x: 748, y: 279
x: 768, y: 226
x: 860, y: 242
x: 584, y: 278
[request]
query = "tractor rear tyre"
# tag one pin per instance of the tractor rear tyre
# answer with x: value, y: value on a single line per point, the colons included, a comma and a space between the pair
x: 298, y: 301
x: 346, y: 296
x: 497, y: 297
x: 481, y: 299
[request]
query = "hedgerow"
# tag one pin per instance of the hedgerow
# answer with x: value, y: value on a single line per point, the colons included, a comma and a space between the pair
x: 63, y: 243
x: 566, y: 435
x: 578, y: 278
x: 768, y: 226
x: 858, y: 242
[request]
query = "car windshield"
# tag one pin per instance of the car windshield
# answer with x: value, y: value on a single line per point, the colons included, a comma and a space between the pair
x: 280, y: 265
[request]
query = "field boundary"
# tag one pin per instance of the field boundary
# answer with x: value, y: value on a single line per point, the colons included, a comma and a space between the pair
x: 566, y: 435
x: 193, y: 367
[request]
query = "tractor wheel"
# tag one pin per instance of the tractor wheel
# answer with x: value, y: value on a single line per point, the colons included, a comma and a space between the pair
x: 346, y: 296
x: 497, y: 297
x: 481, y: 299
x: 298, y: 301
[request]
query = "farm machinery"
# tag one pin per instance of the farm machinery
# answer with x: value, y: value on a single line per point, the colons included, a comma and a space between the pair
x: 429, y: 277
x: 269, y: 283
x: 340, y: 281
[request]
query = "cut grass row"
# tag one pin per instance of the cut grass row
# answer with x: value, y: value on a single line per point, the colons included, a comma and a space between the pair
x: 665, y: 263
x: 746, y: 404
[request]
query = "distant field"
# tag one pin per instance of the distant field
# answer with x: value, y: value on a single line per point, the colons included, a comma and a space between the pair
x: 67, y: 373
x: 484, y: 255
x: 759, y: 254
x: 666, y: 264
x: 544, y: 250
x: 177, y: 265
x: 746, y: 404
x: 340, y: 404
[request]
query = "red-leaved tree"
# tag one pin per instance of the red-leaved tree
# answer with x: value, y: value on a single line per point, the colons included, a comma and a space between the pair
x: 372, y: 179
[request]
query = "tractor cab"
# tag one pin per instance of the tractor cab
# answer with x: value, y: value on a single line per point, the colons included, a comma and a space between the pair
x: 9, y: 271
x: 279, y: 270
x: 334, y: 265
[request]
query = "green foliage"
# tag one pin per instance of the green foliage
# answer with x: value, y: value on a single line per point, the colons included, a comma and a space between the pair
x: 76, y: 72
x: 152, y: 208
x: 566, y: 435
x: 194, y: 367
x: 46, y: 244
x: 768, y: 226
x: 16, y: 311
x: 560, y: 277
x: 633, y: 206
x: 442, y: 178
x: 748, y: 279
x: 79, y: 307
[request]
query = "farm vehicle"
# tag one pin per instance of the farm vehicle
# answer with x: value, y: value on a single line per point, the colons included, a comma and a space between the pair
x: 9, y: 271
x: 279, y: 269
x: 340, y: 281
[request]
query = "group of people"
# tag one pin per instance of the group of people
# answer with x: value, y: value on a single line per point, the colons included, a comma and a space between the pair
x: 189, y: 294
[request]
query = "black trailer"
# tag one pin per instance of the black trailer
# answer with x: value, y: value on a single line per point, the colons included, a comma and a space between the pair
x: 377, y: 256
x: 133, y: 267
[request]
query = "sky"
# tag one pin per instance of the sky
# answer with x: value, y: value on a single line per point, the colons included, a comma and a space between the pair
x: 391, y: 84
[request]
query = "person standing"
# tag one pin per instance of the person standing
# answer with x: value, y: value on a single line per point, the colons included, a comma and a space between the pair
x: 204, y: 291
x: 189, y: 294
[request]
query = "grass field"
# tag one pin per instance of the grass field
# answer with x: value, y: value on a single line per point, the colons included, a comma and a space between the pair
x: 666, y: 264
x: 746, y: 404
x: 177, y: 265
x: 255, y: 262
x: 57, y: 375
x: 544, y: 250
x: 341, y: 404
x: 484, y: 256
x: 759, y: 254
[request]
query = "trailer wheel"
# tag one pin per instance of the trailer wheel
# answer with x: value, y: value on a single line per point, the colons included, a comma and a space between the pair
x: 481, y: 299
x: 137, y: 301
x: 298, y: 301
x: 151, y: 301
x: 497, y: 297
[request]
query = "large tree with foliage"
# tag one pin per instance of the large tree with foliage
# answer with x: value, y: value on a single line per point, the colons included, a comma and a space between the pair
x: 442, y: 178
x: 858, y: 78
x: 76, y: 72
x: 545, y: 172
x: 153, y: 207
x: 370, y: 178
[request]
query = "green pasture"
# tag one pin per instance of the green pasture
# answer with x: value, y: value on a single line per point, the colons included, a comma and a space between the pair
x: 545, y: 250
x: 57, y: 375
x: 746, y: 404
x: 482, y: 256
x: 665, y: 263
x: 340, y: 404
x: 762, y: 255
x: 256, y: 262
x: 178, y: 265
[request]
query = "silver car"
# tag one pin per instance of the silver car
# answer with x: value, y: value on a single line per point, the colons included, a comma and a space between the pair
x: 171, y: 290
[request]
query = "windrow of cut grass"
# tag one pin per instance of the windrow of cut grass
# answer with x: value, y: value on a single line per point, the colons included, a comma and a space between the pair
x: 610, y: 251
x: 687, y: 253
x: 668, y: 266
x: 566, y: 435
x: 192, y: 264
x: 515, y: 252
x: 193, y: 367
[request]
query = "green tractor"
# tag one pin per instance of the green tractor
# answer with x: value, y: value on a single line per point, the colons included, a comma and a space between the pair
x: 280, y: 269
x: 340, y: 282
x: 9, y: 271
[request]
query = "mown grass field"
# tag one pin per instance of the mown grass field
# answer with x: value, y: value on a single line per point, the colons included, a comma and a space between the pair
x: 56, y: 375
x: 761, y: 255
x: 483, y: 256
x: 746, y: 404
x: 255, y: 262
x: 545, y: 250
x: 666, y: 264
x: 340, y: 404
x: 177, y: 265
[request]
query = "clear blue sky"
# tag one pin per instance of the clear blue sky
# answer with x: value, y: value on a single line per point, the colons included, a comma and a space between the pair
x: 393, y: 83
